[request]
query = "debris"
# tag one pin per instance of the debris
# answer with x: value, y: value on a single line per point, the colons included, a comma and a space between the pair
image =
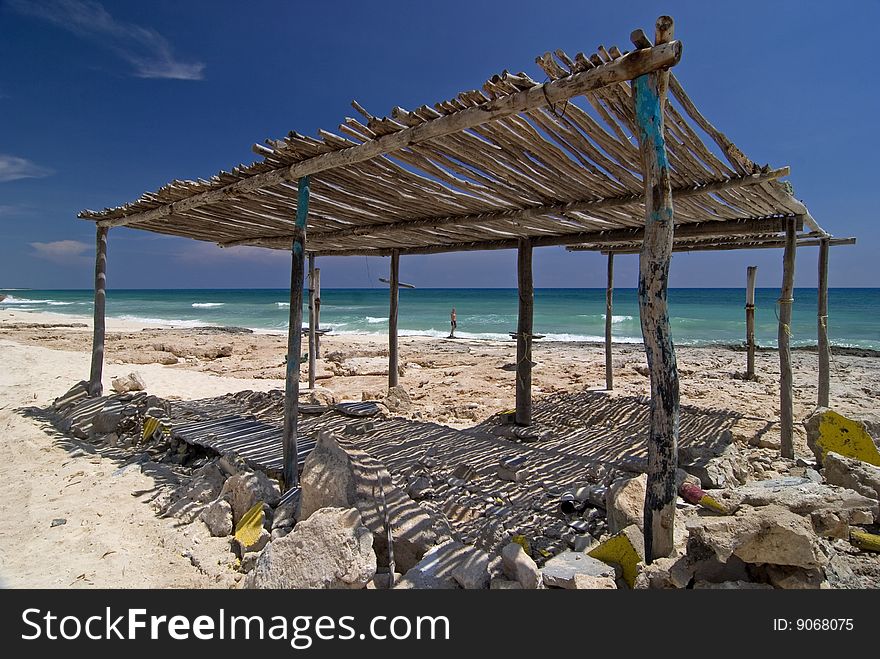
x: 244, y: 490
x: 693, y: 494
x: 464, y: 472
x: 420, y: 488
x: 865, y: 541
x: 218, y: 518
x: 625, y: 503
x: 560, y: 571
x: 625, y: 549
x: 517, y: 565
x: 58, y: 521
x: 357, y: 409
x: 250, y: 532
x: 130, y: 382
x: 359, y: 428
x: 829, y: 431
x: 397, y: 399
x: 714, y: 466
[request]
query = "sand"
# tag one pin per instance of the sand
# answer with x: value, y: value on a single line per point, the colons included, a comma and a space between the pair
x: 113, y: 538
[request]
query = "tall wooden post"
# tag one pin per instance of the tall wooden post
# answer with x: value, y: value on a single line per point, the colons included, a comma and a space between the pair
x: 294, y: 338
x: 786, y: 300
x: 822, y: 321
x: 524, y: 333
x: 317, y: 284
x: 609, y: 319
x: 394, y: 292
x: 96, y: 388
x: 751, y: 273
x: 313, y: 364
x: 649, y: 93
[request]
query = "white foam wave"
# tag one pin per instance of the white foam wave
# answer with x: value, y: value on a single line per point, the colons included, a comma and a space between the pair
x: 282, y: 305
x: 207, y: 305
x: 53, y: 303
x: 22, y: 300
x: 177, y: 322
x: 374, y: 320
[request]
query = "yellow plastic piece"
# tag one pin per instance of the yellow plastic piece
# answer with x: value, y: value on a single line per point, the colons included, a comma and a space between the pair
x: 846, y: 437
x: 523, y: 542
x: 619, y: 550
x: 150, y: 426
x: 865, y: 540
x: 250, y: 526
x: 712, y: 504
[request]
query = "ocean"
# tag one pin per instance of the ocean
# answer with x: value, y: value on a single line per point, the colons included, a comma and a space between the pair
x: 699, y: 316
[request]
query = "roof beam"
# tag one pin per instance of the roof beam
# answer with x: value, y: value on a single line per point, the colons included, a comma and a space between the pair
x: 742, y: 243
x: 628, y: 67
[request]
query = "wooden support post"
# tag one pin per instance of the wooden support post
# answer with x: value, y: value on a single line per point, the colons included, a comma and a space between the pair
x: 649, y: 94
x: 313, y: 364
x: 524, y: 333
x: 609, y: 309
x: 294, y: 338
x: 394, y: 292
x: 751, y: 273
x: 96, y: 388
x: 786, y: 300
x: 822, y: 313
x: 317, y: 284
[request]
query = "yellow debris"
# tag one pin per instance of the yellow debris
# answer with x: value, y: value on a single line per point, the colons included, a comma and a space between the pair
x: 523, y: 542
x: 712, y: 504
x: 250, y: 526
x: 150, y: 426
x: 864, y: 540
x: 846, y: 437
x: 625, y: 549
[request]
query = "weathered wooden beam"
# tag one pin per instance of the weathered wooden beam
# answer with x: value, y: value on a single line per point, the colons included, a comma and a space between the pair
x: 622, y: 69
x: 609, y: 319
x: 786, y: 300
x: 526, y: 289
x: 730, y: 245
x: 317, y: 285
x: 313, y: 338
x: 751, y: 273
x: 96, y: 387
x: 822, y: 323
x: 649, y: 98
x: 393, y: 294
x: 294, y: 339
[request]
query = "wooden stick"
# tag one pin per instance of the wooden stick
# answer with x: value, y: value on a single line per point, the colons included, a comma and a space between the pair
x: 751, y: 273
x: 524, y: 334
x: 96, y: 387
x: 786, y: 300
x: 649, y: 96
x: 609, y: 308
x: 393, y: 293
x: 317, y: 284
x: 294, y: 339
x: 822, y: 321
x: 313, y: 363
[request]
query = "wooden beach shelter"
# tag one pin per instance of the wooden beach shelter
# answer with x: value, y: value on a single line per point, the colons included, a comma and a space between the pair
x: 594, y: 151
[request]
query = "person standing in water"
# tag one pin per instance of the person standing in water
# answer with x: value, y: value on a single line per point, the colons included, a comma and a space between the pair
x: 452, y: 323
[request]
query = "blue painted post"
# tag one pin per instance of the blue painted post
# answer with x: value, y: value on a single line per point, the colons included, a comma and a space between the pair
x: 649, y: 94
x: 294, y: 337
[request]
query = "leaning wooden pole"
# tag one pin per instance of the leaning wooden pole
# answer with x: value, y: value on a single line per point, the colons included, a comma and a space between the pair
x: 96, y: 388
x: 786, y: 300
x: 524, y: 333
x: 649, y: 93
x: 394, y: 293
x: 609, y: 319
x: 294, y: 338
x: 313, y: 363
x: 822, y: 322
x: 317, y: 284
x: 751, y: 274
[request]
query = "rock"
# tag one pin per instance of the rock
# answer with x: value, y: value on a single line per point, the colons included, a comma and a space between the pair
x: 245, y: 489
x: 589, y: 582
x: 331, y: 549
x: 248, y: 561
x: 830, y: 508
x: 125, y: 383
x: 218, y: 518
x: 664, y: 573
x: 58, y: 521
x: 795, y: 578
x: 340, y: 476
x: 852, y: 474
x: 420, y: 488
x: 397, y: 399
x: 731, y: 585
x: 504, y: 584
x: 322, y: 396
x: 464, y: 472
x: 714, y: 467
x: 436, y: 569
x: 107, y: 419
x: 520, y: 567
x: 188, y: 499
x: 472, y: 569
x: 626, y: 550
x: 829, y: 431
x: 625, y: 503
x: 505, y: 474
x: 253, y: 545
x: 770, y: 534
x: 584, y: 542
x: 560, y: 571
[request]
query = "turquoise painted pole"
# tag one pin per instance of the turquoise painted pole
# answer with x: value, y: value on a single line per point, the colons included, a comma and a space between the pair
x: 294, y: 337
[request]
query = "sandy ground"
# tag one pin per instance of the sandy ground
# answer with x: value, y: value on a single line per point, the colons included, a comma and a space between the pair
x: 112, y: 538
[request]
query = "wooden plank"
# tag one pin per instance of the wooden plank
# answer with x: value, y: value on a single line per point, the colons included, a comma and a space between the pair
x: 294, y: 338
x: 649, y: 97
x: 623, y: 69
x: 822, y: 327
x: 524, y: 334
x: 318, y: 333
x: 313, y: 339
x: 751, y: 274
x: 609, y: 319
x: 96, y: 387
x: 786, y: 300
x: 393, y: 294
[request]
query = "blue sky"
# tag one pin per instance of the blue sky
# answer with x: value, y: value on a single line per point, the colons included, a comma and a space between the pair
x: 102, y: 101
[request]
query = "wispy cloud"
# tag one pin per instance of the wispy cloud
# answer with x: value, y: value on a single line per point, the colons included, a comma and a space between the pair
x: 148, y: 52
x: 13, y: 168
x: 209, y: 253
x: 62, y: 251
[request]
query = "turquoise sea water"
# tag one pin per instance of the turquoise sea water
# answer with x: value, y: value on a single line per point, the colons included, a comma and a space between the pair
x: 699, y: 316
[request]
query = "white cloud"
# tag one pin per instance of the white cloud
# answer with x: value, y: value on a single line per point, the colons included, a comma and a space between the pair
x: 209, y: 253
x: 13, y: 168
x: 148, y: 52
x: 62, y: 251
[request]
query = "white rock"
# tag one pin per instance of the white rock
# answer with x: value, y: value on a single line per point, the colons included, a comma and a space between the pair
x: 520, y: 567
